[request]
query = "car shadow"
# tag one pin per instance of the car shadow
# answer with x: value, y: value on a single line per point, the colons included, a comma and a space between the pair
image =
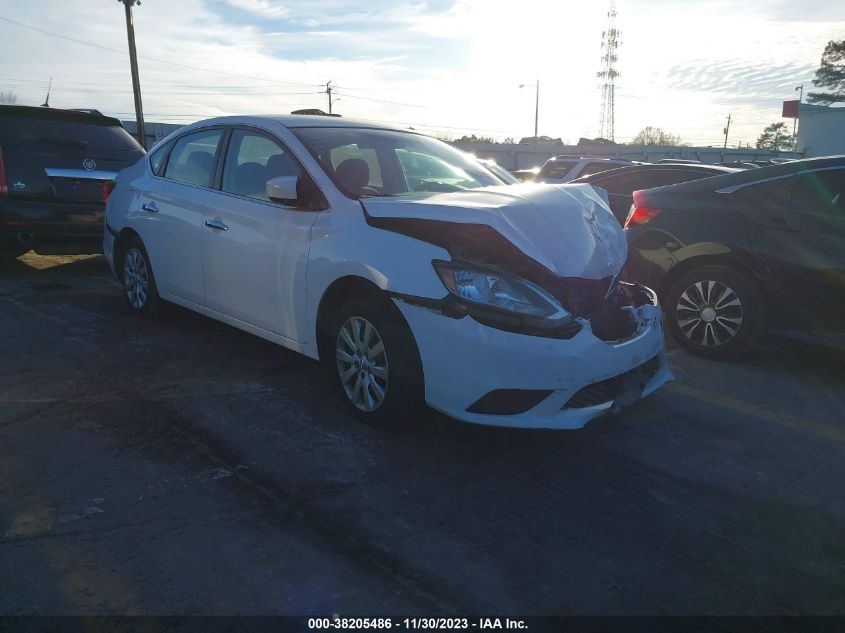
x: 776, y: 352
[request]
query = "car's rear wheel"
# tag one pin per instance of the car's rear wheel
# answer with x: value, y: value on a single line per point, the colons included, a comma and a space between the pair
x: 715, y: 312
x: 139, y: 286
x: 377, y: 362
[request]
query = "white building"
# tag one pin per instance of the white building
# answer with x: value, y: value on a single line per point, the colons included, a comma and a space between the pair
x: 821, y: 130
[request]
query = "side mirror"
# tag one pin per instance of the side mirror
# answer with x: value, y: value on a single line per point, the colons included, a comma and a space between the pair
x: 282, y: 189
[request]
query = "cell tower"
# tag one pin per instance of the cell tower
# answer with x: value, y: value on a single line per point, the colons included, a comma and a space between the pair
x: 608, y: 73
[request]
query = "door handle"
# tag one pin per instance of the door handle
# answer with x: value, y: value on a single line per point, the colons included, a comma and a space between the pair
x: 778, y: 224
x: 216, y: 224
x: 150, y: 206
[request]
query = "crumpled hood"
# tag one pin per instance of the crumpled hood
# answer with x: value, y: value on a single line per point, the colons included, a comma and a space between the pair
x: 568, y: 229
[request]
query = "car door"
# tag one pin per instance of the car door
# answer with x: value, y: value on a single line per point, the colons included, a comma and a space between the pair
x: 800, y: 235
x: 173, y: 209
x: 255, y: 252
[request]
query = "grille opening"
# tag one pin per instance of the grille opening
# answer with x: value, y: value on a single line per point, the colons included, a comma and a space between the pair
x: 614, y: 324
x: 509, y: 401
x: 584, y: 297
x: 607, y: 390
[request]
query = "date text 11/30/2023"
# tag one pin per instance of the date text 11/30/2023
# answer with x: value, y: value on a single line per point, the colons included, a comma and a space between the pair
x: 358, y: 623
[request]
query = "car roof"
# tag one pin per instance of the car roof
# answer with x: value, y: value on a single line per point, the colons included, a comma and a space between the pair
x: 746, y: 176
x: 293, y: 121
x: 598, y: 158
x: 58, y: 114
x: 645, y: 167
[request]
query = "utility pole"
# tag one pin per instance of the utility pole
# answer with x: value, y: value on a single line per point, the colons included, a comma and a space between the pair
x: 46, y: 103
x: 133, y: 63
x: 795, y: 120
x: 329, y: 89
x: 536, y: 108
x: 726, y: 130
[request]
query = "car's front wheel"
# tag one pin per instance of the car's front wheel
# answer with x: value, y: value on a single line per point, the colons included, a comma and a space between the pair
x: 139, y: 286
x: 715, y: 311
x: 377, y: 362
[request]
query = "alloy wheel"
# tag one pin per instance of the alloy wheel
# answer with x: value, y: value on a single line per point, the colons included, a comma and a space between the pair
x: 136, y: 278
x: 709, y: 313
x: 362, y: 364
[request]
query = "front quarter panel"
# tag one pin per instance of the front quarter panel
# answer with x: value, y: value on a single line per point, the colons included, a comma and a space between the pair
x: 344, y: 245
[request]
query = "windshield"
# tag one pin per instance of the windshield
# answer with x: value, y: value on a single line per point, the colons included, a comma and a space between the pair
x: 506, y: 177
x: 365, y: 162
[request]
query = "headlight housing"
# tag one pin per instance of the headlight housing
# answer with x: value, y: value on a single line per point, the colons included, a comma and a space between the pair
x: 499, y: 291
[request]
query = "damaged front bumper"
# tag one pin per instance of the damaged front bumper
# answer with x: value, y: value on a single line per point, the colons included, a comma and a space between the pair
x: 486, y: 375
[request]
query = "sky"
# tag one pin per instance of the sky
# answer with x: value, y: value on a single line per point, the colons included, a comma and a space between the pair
x: 444, y: 67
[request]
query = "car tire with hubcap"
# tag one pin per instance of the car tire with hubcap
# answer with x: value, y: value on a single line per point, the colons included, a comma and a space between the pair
x: 139, y: 286
x: 715, y: 311
x: 377, y: 362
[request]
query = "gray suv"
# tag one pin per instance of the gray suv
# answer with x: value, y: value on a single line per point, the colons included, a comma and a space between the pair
x: 565, y: 168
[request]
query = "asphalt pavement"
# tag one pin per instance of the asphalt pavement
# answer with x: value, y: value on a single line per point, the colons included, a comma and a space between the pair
x: 181, y: 466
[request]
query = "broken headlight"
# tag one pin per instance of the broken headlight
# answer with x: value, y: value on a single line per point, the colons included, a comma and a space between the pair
x: 498, y: 290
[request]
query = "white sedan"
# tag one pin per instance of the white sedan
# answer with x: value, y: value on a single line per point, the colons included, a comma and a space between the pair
x: 397, y: 258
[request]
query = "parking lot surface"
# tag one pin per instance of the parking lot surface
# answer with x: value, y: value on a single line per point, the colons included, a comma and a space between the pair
x: 179, y: 465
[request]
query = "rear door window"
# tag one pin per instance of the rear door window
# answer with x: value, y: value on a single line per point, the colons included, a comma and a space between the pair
x: 765, y: 196
x: 192, y: 158
x: 626, y: 183
x: 819, y: 192
x: 664, y: 177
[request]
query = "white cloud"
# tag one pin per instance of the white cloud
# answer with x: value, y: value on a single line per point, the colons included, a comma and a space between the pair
x: 263, y: 8
x: 455, y: 67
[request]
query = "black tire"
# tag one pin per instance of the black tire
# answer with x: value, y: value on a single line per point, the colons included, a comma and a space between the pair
x: 715, y: 312
x: 133, y: 256
x: 403, y: 390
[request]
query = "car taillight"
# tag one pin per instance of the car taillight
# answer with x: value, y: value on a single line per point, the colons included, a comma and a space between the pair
x: 108, y: 187
x: 640, y: 213
x: 4, y: 187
